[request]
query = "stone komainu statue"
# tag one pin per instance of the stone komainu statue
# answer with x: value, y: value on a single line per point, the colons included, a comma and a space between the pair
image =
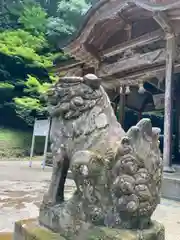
x: 117, y: 174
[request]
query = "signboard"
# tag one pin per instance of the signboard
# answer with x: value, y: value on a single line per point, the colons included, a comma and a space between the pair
x: 41, y: 128
x: 158, y: 101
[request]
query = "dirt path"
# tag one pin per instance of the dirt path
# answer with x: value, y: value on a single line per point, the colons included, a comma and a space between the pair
x: 22, y: 188
x: 21, y: 191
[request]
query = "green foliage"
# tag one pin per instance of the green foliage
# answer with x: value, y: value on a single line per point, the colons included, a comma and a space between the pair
x: 34, y: 19
x: 50, y: 6
x: 28, y: 106
x: 30, y: 34
x: 28, y: 103
x: 25, y: 106
x: 23, y: 44
x: 34, y: 87
x: 73, y: 9
x: 57, y: 27
x: 54, y: 78
x: 20, y: 37
x: 6, y: 86
x: 6, y: 92
x: 9, y: 147
x: 68, y: 20
x: 17, y: 143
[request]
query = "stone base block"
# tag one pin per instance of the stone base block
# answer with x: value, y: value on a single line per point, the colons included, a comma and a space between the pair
x: 31, y: 230
x: 6, y: 236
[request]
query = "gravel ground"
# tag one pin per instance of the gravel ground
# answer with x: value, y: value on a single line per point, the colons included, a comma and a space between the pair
x: 22, y: 189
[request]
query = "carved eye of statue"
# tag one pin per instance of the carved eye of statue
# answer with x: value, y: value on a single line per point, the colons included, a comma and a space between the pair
x: 78, y: 101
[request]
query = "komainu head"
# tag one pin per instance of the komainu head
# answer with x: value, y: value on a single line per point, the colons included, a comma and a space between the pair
x: 137, y: 175
x: 72, y: 96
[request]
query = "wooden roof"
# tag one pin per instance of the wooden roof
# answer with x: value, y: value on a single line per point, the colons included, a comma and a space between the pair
x: 125, y: 40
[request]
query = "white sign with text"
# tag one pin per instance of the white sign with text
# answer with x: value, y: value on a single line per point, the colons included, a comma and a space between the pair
x: 41, y: 129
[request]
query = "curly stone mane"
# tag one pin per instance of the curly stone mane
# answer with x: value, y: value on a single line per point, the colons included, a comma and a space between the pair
x: 72, y: 96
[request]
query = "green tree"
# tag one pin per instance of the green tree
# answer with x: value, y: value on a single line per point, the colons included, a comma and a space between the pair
x: 21, y: 43
x: 50, y: 6
x: 23, y: 51
x: 34, y: 19
x: 68, y: 20
x: 29, y: 105
x: 30, y: 33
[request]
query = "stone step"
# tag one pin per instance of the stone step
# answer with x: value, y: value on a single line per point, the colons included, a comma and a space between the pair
x: 171, y: 185
x: 176, y: 167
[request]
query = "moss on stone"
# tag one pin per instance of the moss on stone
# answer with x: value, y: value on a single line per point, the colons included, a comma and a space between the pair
x: 44, y: 234
x: 155, y: 232
x: 95, y: 234
x: 30, y: 230
x: 104, y: 233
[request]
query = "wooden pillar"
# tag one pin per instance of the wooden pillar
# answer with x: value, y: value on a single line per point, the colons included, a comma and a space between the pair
x: 177, y: 118
x: 122, y: 106
x: 168, y: 109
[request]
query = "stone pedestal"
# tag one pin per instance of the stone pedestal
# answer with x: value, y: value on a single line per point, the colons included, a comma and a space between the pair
x: 31, y: 230
x: 6, y: 236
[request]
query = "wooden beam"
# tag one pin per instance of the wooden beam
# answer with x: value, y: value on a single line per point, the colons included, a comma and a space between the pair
x: 136, y: 61
x: 157, y: 84
x: 133, y: 78
x: 68, y: 66
x: 135, y: 43
x: 163, y: 21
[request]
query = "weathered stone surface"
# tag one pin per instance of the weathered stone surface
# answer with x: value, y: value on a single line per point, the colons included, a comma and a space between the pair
x: 117, y: 174
x: 31, y: 230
